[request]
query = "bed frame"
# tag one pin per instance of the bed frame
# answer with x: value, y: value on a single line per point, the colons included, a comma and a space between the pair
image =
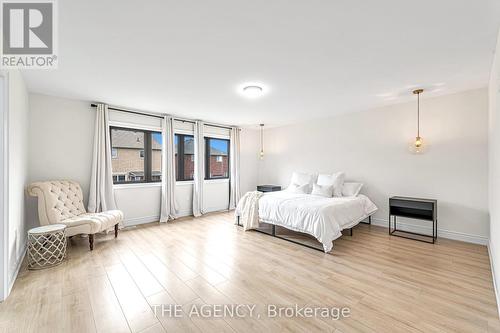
x: 273, y: 233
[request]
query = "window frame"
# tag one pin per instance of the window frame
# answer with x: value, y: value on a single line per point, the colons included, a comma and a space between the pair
x: 180, y: 162
x: 148, y: 154
x: 207, y: 157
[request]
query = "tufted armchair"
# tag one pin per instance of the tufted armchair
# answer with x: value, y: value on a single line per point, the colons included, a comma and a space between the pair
x: 61, y: 202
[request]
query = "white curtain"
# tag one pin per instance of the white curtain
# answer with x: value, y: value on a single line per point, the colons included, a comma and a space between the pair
x: 199, y: 168
x: 168, y: 201
x: 234, y: 164
x: 101, y: 196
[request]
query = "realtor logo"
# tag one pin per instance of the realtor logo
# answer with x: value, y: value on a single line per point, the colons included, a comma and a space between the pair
x: 29, y: 31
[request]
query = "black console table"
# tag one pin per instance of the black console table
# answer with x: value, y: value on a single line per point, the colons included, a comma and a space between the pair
x: 268, y: 188
x: 414, y: 208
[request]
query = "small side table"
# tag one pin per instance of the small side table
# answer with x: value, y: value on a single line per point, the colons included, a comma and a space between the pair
x: 268, y: 188
x: 46, y: 246
x: 413, y: 208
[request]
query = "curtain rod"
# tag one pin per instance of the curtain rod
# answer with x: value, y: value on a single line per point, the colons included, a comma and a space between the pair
x: 156, y: 116
x: 130, y: 111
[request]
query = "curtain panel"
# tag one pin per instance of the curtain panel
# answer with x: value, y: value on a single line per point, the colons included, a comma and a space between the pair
x: 199, y: 168
x: 101, y: 196
x: 168, y: 203
x: 234, y: 164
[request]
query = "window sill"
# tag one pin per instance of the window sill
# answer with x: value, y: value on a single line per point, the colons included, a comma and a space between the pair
x: 184, y: 182
x: 206, y: 181
x: 138, y: 185
x: 214, y: 181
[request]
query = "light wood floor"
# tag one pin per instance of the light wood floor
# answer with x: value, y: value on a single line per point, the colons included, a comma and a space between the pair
x: 390, y: 284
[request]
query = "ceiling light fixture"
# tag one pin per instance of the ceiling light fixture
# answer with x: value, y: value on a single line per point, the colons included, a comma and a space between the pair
x: 252, y: 90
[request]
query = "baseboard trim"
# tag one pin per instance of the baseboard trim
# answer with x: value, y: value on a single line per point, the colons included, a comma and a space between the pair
x: 492, y: 265
x: 184, y: 213
x: 13, y: 277
x: 215, y: 209
x: 141, y: 220
x: 455, y: 235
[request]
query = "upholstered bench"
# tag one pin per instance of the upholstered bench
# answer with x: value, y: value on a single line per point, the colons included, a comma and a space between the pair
x: 61, y: 202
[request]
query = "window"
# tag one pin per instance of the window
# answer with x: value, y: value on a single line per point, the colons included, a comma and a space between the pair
x: 216, y: 158
x: 136, y: 155
x: 184, y: 157
x: 118, y: 178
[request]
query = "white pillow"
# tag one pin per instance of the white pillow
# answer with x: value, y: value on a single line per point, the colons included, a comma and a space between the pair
x: 337, y: 180
x: 300, y: 178
x: 299, y: 189
x: 351, y: 189
x: 322, y: 190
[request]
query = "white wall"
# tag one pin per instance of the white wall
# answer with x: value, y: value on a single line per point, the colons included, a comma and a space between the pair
x: 61, y: 148
x: 494, y: 167
x: 15, y: 165
x: 249, y: 159
x: 4, y: 225
x: 372, y: 147
x: 61, y: 138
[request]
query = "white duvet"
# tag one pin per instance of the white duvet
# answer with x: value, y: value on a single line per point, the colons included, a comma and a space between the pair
x: 323, y: 218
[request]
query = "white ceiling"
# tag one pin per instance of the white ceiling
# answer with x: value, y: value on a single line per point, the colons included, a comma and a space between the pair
x: 318, y: 58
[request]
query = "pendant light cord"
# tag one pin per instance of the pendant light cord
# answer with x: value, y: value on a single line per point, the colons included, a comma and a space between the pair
x: 418, y: 115
x: 261, y: 137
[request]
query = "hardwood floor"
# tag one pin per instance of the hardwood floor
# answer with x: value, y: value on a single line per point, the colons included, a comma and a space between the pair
x: 390, y: 284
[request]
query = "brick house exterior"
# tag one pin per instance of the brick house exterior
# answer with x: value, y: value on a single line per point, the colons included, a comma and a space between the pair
x: 219, y: 161
x: 219, y: 166
x: 127, y: 156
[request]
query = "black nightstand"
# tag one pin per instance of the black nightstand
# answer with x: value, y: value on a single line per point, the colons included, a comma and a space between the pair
x: 414, y: 208
x: 268, y: 188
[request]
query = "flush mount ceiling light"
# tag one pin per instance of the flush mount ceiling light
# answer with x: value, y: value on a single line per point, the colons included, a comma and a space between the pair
x: 252, y: 90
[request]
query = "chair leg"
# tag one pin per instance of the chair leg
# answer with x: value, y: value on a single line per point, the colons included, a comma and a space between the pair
x: 91, y: 242
x: 116, y: 230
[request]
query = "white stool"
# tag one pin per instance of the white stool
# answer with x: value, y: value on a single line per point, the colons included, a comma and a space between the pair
x: 46, y: 246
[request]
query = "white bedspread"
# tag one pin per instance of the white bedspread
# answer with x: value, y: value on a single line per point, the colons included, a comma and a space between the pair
x: 323, y: 218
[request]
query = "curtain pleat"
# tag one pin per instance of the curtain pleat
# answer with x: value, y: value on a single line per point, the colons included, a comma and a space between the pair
x: 101, y: 196
x: 234, y: 164
x: 168, y: 210
x: 199, y: 168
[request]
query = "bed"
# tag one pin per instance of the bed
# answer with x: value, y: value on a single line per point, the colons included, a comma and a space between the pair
x: 321, y: 217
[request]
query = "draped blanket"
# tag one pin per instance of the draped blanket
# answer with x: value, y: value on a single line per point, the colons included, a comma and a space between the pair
x: 248, y: 210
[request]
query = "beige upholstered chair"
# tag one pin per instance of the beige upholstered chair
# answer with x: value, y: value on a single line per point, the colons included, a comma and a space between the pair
x: 61, y: 202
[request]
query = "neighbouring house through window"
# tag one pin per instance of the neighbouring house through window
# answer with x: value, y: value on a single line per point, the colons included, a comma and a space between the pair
x: 216, y: 158
x: 184, y: 157
x: 137, y: 156
x: 118, y: 178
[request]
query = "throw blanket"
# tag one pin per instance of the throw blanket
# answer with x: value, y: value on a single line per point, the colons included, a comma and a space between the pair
x: 249, y: 210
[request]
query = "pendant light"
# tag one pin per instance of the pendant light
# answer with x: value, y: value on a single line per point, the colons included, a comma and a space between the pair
x: 417, y: 146
x: 261, y: 155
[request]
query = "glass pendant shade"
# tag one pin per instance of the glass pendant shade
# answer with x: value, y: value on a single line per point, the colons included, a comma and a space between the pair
x: 417, y: 146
